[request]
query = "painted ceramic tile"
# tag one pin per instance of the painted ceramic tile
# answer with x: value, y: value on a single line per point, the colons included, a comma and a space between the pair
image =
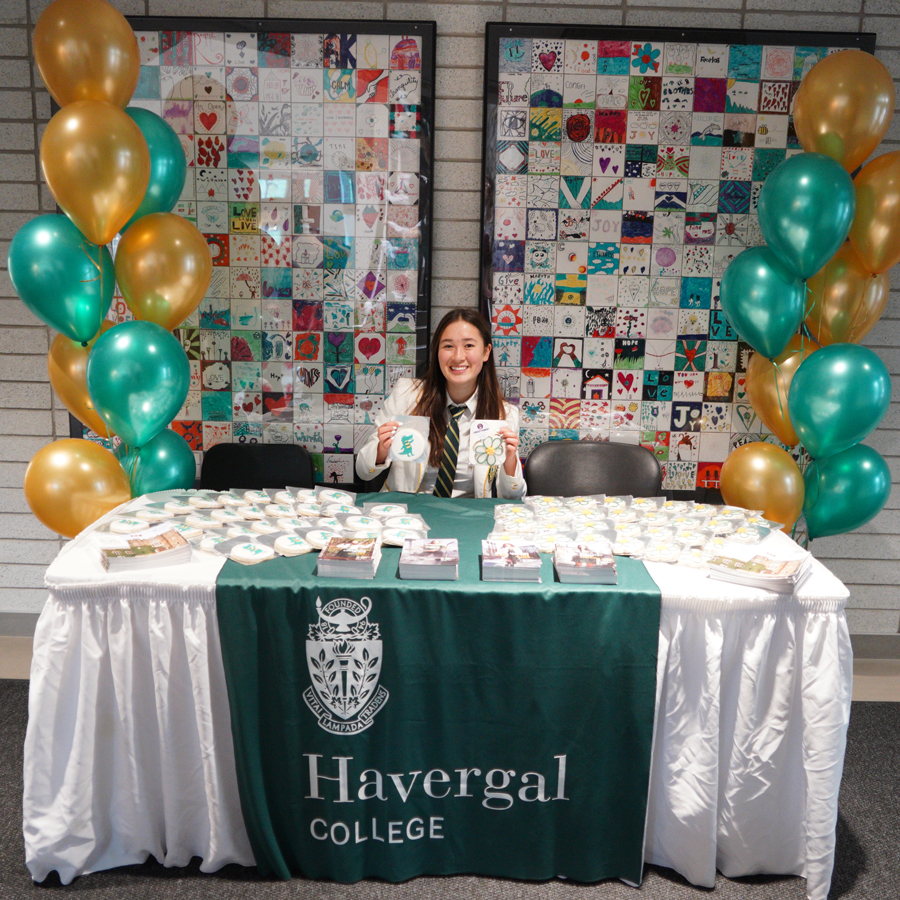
x: 304, y: 152
x: 618, y: 203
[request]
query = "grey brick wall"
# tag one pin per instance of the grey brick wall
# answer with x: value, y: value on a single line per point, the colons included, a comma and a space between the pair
x: 866, y: 560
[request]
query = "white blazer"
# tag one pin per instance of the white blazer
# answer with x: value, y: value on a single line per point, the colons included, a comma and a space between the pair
x: 407, y: 476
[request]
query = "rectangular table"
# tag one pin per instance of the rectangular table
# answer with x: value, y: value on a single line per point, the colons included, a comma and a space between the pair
x: 517, y: 719
x: 129, y: 749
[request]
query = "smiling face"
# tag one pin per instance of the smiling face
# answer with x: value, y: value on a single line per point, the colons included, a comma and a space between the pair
x: 461, y: 355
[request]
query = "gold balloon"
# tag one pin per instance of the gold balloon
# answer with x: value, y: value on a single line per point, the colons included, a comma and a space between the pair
x: 845, y: 300
x: 71, y: 483
x: 764, y: 477
x: 163, y: 267
x: 875, y: 232
x: 844, y: 106
x: 768, y: 392
x: 97, y: 166
x: 86, y: 50
x: 67, y: 365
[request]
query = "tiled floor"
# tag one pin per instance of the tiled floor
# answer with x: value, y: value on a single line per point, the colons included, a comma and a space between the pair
x: 873, y: 679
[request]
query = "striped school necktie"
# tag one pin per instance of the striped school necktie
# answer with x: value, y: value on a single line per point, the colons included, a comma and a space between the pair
x: 443, y: 486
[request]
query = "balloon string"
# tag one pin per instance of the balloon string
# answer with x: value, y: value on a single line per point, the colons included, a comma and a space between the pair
x: 854, y: 321
x: 778, y: 377
x: 811, y: 506
x: 803, y: 332
x: 98, y: 265
x: 133, y: 467
x: 804, y: 328
x: 805, y: 335
x: 808, y: 539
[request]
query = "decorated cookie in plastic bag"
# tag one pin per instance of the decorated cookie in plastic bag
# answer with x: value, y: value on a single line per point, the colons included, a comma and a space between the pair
x: 127, y: 526
x: 250, y: 553
x: 292, y: 545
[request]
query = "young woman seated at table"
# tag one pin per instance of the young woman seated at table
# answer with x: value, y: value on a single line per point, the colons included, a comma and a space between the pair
x: 461, y: 385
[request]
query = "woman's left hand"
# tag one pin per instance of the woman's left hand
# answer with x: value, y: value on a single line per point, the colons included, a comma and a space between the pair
x: 511, y: 445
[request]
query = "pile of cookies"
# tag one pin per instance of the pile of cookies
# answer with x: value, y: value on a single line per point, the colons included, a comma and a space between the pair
x: 253, y: 526
x: 649, y: 528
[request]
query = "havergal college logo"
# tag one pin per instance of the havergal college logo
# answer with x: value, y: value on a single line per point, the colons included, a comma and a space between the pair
x: 343, y: 654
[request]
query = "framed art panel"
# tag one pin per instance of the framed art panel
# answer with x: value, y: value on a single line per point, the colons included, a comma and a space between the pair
x: 310, y: 158
x: 621, y: 172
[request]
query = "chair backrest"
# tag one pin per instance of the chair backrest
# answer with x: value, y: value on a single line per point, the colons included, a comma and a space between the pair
x: 256, y: 466
x: 573, y: 468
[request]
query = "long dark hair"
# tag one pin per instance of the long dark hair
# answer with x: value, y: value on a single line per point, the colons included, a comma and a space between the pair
x: 433, y: 398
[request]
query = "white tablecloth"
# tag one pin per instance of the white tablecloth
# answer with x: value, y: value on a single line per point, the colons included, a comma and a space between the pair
x: 128, y: 751
x: 753, y: 701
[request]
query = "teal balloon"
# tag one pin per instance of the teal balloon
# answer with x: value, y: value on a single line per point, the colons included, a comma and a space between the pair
x: 806, y: 207
x: 838, y: 395
x: 168, y: 166
x: 164, y: 463
x: 64, y: 279
x: 138, y: 377
x: 763, y: 300
x: 845, y: 491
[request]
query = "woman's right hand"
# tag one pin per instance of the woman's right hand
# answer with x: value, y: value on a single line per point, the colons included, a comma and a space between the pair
x: 385, y: 434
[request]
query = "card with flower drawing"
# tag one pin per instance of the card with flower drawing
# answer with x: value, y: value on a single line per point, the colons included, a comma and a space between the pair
x: 486, y: 446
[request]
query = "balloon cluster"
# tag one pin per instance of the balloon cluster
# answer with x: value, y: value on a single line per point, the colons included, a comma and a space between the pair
x: 111, y: 170
x: 819, y: 388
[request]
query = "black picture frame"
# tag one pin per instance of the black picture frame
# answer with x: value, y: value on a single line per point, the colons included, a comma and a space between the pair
x: 410, y: 49
x: 509, y: 151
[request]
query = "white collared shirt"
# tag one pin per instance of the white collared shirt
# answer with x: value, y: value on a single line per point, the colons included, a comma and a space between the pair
x: 464, y: 482
x: 419, y: 476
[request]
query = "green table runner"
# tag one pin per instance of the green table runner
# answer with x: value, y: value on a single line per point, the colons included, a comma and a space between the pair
x: 394, y: 728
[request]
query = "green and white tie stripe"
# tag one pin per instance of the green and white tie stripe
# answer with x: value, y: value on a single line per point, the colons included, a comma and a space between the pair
x: 443, y: 486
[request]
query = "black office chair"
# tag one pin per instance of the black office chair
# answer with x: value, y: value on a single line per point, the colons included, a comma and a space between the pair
x: 574, y: 468
x: 256, y: 466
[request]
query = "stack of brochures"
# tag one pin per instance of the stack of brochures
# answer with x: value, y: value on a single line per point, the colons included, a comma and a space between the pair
x: 160, y: 545
x: 350, y: 557
x: 773, y: 570
x: 584, y: 562
x: 510, y: 561
x: 433, y: 560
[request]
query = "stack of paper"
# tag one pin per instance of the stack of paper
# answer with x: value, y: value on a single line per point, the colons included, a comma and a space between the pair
x: 510, y: 561
x: 432, y: 560
x: 773, y: 570
x: 350, y: 557
x: 160, y: 545
x: 585, y: 562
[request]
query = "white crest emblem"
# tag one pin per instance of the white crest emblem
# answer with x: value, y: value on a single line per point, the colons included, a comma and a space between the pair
x: 343, y: 654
